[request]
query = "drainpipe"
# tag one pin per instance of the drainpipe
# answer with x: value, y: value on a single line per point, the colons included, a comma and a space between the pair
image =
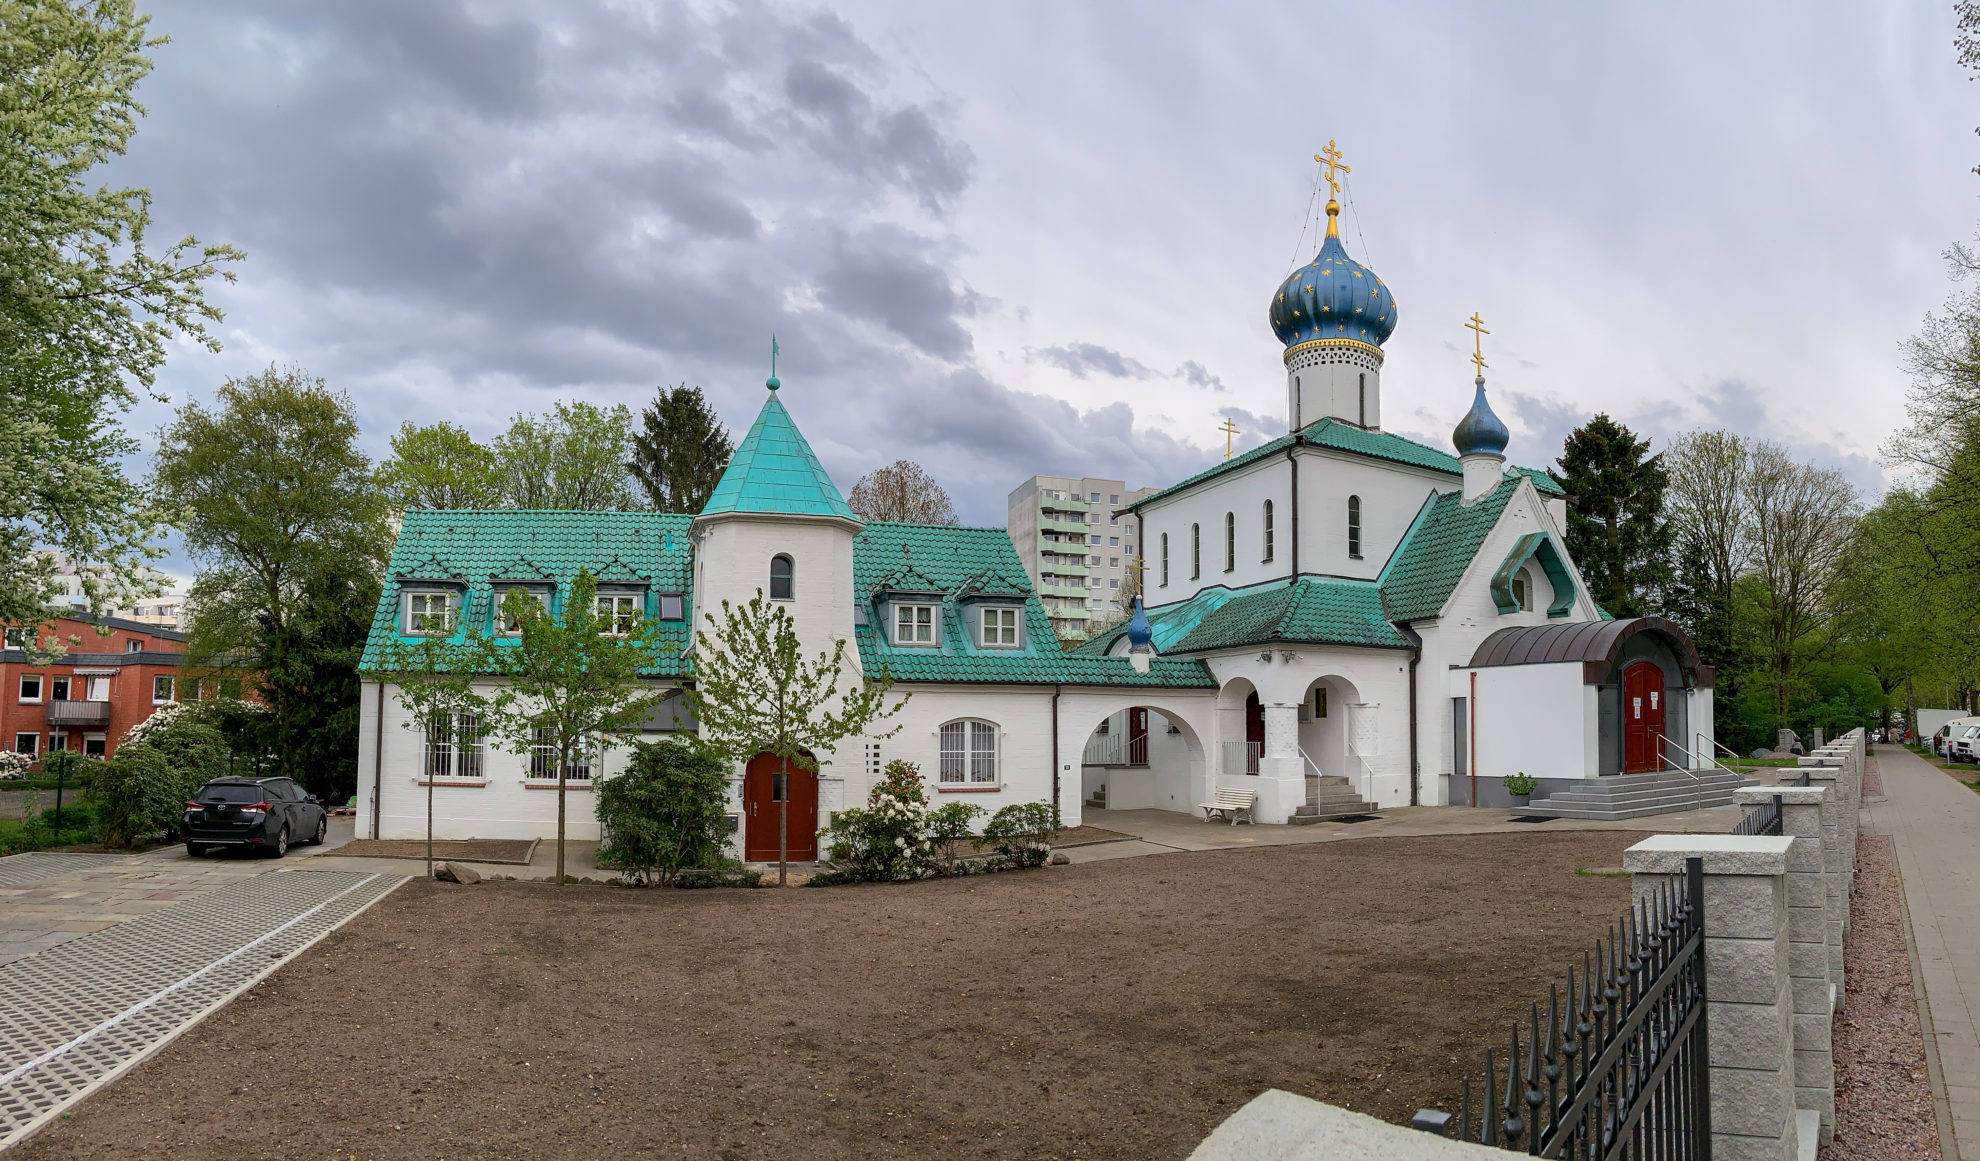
x: 1056, y: 691
x: 1471, y: 754
x: 1415, y: 768
x: 378, y: 759
x: 1293, y: 461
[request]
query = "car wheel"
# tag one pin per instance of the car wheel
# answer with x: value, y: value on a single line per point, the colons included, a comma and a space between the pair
x: 322, y: 827
x: 194, y: 850
x: 281, y: 846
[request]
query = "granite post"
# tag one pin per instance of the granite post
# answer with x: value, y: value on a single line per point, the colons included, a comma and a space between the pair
x: 1808, y: 944
x: 1749, y: 999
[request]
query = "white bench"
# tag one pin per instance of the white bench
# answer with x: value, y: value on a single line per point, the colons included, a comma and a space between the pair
x: 1228, y: 804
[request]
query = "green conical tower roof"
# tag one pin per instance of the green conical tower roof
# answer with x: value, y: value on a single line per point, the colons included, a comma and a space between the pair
x: 775, y: 471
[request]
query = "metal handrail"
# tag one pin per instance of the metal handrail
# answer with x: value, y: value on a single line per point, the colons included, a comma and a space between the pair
x: 1666, y: 759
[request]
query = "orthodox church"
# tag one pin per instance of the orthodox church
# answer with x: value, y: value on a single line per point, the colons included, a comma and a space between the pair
x: 1338, y: 621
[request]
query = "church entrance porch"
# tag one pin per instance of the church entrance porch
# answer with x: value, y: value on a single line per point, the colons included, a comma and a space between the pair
x: 1136, y: 759
x: 780, y: 811
x: 1336, y: 775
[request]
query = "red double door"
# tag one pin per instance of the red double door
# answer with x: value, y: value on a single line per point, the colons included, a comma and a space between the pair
x: 1643, y: 718
x: 774, y: 799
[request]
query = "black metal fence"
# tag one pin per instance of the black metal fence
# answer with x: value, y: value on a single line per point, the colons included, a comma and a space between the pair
x: 1766, y: 820
x: 1621, y: 1071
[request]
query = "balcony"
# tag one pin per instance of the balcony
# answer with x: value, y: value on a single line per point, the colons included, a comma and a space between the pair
x: 1050, y: 589
x: 1054, y: 524
x: 78, y: 713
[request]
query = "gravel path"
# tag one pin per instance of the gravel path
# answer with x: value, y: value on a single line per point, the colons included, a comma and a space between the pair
x: 1883, y: 1097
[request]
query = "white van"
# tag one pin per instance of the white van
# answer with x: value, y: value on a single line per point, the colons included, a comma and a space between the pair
x: 1958, y: 740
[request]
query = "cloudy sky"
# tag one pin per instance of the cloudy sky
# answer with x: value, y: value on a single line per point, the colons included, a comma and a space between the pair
x: 1002, y: 239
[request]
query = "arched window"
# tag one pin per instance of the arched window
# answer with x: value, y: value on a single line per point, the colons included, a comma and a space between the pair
x: 1195, y: 551
x: 1230, y: 542
x: 781, y: 586
x: 1268, y: 532
x: 1519, y: 591
x: 1354, y: 527
x: 968, y: 754
x: 1165, y: 560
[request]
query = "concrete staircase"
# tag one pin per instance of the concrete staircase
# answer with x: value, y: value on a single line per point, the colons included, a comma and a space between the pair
x: 1329, y: 797
x: 1635, y: 795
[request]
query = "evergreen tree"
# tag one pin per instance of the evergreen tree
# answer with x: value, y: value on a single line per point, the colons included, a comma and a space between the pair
x: 681, y: 452
x: 1616, y: 530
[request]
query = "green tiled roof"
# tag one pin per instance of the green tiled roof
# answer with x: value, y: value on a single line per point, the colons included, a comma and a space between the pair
x: 1345, y: 437
x: 774, y: 470
x: 1311, y: 610
x: 474, y: 547
x: 965, y: 562
x: 1435, y: 551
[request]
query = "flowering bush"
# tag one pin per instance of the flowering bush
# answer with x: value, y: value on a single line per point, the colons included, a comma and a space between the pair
x: 900, y: 780
x: 1023, y: 832
x: 886, y: 841
x: 14, y: 765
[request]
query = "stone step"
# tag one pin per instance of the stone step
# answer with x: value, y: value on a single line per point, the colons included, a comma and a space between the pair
x: 1326, y: 780
x: 1308, y: 815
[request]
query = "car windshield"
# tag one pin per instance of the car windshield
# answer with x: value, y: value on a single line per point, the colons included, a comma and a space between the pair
x: 228, y: 793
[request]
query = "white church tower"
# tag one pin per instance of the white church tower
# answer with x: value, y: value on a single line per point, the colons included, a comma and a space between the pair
x: 1333, y: 315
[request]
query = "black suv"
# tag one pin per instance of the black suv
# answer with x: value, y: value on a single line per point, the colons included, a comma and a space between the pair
x: 264, y: 814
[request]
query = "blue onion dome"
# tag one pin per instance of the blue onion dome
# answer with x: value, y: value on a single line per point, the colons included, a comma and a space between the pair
x: 1480, y: 430
x: 1138, y: 632
x: 1333, y: 297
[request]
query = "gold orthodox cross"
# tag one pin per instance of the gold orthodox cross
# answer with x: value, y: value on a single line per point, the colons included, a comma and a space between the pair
x: 1229, y: 429
x: 1478, y: 333
x: 1331, y: 158
x: 1135, y: 568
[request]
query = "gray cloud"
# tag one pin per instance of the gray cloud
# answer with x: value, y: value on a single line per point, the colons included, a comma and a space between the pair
x: 1083, y: 359
x: 1196, y: 375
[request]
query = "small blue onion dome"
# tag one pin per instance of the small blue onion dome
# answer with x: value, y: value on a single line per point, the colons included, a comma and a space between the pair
x: 1138, y: 632
x: 1333, y: 297
x: 1480, y: 430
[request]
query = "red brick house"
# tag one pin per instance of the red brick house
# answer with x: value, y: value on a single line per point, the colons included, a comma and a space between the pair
x: 85, y: 699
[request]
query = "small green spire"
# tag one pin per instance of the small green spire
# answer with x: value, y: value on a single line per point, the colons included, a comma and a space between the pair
x: 771, y: 382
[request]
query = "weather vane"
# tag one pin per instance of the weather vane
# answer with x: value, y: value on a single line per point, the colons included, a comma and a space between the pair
x: 1478, y: 333
x: 1229, y: 429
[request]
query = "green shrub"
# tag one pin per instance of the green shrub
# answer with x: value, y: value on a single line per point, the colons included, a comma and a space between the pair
x: 948, y: 825
x: 1023, y: 832
x: 138, y: 795
x: 733, y: 875
x: 1520, y: 783
x: 900, y: 779
x: 668, y: 811
x: 882, y: 843
x: 191, y: 744
x: 66, y: 766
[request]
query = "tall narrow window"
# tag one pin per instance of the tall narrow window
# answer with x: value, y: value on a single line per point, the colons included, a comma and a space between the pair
x: 1354, y: 527
x: 1230, y: 542
x: 1268, y: 532
x: 1165, y: 560
x: 1195, y: 551
x: 781, y: 586
x: 1364, y: 399
x: 1519, y: 591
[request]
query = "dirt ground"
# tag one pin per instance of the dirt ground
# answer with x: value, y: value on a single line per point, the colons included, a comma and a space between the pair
x: 1116, y: 1009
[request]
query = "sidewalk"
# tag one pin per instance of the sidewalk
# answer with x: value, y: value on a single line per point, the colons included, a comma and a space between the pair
x: 1166, y: 831
x: 1935, y: 824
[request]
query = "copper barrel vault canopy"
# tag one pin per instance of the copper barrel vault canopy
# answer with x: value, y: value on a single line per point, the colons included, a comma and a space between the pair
x: 1596, y: 644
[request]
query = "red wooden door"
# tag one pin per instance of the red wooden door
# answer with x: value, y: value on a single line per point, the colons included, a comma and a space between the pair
x: 765, y: 788
x: 1643, y: 718
x: 1137, y: 754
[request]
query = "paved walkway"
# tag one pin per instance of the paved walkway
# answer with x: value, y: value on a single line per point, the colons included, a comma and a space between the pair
x: 1166, y: 831
x: 1935, y: 824
x: 48, y: 898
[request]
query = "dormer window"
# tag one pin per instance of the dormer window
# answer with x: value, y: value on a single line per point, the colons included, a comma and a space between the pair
x: 511, y: 626
x: 672, y: 607
x: 430, y: 613
x: 914, y: 624
x: 1519, y: 592
x: 1000, y: 628
x: 616, y: 614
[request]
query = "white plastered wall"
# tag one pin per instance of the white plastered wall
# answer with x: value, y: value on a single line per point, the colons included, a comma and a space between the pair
x: 1470, y: 615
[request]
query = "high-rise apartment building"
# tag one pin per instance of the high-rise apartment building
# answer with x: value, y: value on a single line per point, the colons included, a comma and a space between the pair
x: 1074, y: 547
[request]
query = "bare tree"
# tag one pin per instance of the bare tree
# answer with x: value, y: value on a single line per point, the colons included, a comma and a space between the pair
x: 1803, y: 518
x: 1703, y: 501
x: 902, y: 492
